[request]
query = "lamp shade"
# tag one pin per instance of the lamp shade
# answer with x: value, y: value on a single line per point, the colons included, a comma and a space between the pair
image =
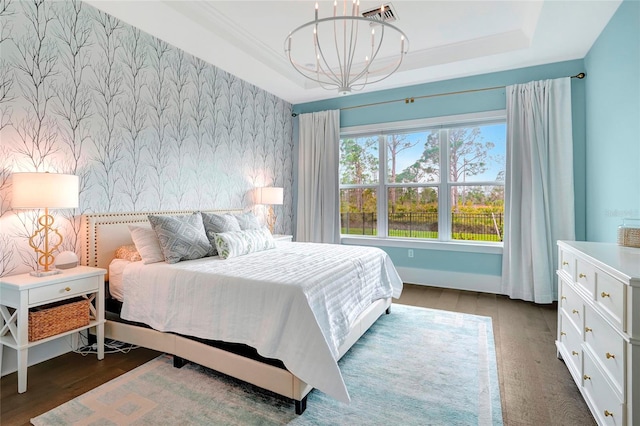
x: 270, y: 195
x: 39, y: 190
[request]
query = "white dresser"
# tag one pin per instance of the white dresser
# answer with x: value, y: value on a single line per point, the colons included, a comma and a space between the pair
x: 599, y: 326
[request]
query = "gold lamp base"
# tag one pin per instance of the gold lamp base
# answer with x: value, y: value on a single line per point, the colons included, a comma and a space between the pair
x: 46, y: 258
x: 271, y: 219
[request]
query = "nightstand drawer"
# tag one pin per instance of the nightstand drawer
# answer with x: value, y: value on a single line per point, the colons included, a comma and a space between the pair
x: 63, y: 290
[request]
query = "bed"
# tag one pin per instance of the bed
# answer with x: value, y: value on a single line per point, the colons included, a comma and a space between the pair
x: 289, y: 285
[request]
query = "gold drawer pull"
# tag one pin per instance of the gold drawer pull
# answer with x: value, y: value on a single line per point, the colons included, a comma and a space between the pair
x: 575, y: 311
x: 565, y: 263
x: 608, y: 413
x: 562, y: 333
x: 582, y: 276
x: 563, y: 298
x: 603, y: 294
x: 67, y: 289
x: 574, y: 353
x: 609, y: 356
x: 587, y: 329
x: 586, y: 377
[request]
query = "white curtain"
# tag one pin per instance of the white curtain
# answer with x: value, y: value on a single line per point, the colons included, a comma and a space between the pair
x: 539, y: 198
x: 318, y: 197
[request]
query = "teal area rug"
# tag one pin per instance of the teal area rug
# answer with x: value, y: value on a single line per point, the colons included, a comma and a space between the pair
x: 415, y: 366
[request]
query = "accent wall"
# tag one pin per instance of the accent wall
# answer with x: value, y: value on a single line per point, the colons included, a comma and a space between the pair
x: 143, y: 124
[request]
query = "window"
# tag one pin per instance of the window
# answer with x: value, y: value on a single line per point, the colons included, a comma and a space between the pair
x: 442, y: 180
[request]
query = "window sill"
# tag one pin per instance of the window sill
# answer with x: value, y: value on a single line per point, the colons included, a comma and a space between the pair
x: 468, y: 247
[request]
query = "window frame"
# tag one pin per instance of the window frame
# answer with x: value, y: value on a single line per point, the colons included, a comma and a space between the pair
x: 444, y: 186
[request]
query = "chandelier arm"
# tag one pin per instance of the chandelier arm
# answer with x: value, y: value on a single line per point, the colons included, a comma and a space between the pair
x: 352, y: 44
x: 392, y: 67
x: 365, y: 70
x: 309, y: 74
x: 397, y: 65
x: 329, y: 73
x: 337, y: 47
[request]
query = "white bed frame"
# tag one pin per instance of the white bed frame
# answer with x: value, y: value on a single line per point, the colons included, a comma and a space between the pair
x: 104, y: 233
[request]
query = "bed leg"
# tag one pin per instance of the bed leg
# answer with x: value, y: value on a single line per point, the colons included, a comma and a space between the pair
x: 301, y: 405
x: 388, y: 311
x: 178, y: 362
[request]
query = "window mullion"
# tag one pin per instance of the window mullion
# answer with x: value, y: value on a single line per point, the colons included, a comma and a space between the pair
x: 444, y: 205
x: 382, y: 187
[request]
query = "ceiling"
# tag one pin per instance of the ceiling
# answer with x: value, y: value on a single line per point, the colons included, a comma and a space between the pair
x: 448, y: 39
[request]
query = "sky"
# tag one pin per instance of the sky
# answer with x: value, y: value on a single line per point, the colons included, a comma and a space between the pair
x: 495, y: 133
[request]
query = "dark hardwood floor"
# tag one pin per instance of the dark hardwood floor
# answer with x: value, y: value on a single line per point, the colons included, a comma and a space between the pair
x: 535, y: 386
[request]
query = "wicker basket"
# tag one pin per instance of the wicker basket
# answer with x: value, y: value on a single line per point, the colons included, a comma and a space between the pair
x: 55, y: 318
x: 629, y: 233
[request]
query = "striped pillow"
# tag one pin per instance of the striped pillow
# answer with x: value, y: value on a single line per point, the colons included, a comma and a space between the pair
x: 238, y: 243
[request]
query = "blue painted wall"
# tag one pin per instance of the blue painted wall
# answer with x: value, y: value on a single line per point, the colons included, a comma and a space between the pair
x: 613, y: 124
x: 478, y: 263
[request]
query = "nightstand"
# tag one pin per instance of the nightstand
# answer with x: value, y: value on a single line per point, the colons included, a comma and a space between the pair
x: 283, y: 237
x: 19, y: 293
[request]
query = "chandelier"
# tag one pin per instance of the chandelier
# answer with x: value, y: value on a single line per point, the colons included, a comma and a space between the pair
x: 348, y: 51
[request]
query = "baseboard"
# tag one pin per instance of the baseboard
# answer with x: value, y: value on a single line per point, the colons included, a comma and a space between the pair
x: 451, y: 279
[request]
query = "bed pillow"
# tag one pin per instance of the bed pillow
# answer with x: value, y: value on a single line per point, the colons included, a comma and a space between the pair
x: 181, y: 237
x: 147, y: 244
x: 238, y: 243
x: 248, y: 221
x: 216, y: 223
x: 128, y: 252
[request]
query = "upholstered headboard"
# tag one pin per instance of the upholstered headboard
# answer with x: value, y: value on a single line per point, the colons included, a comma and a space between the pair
x: 103, y: 233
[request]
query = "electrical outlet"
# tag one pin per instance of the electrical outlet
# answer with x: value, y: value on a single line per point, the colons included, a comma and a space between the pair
x: 410, y: 252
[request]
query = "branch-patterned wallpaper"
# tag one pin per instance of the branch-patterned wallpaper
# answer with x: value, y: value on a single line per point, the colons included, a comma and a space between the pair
x: 145, y: 125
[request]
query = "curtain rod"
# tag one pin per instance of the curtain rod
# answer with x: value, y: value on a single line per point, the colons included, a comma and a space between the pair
x: 579, y: 76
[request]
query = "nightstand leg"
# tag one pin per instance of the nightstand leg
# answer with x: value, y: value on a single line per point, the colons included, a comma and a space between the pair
x: 100, y: 340
x: 22, y: 370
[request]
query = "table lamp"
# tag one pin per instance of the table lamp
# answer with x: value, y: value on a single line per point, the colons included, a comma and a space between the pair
x: 35, y: 190
x: 270, y: 195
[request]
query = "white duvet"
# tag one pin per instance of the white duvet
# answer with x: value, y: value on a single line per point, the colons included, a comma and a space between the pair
x: 295, y: 303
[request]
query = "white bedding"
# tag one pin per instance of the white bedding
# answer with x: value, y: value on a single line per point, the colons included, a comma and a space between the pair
x: 295, y: 303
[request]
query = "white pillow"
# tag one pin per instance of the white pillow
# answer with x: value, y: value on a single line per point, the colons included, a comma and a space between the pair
x: 147, y: 244
x: 238, y: 243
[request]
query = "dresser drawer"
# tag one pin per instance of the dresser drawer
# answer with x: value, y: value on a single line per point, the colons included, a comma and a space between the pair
x: 607, y: 347
x: 567, y: 263
x: 572, y: 306
x: 586, y: 276
x: 571, y: 340
x: 610, y: 296
x: 63, y: 290
x: 608, y: 408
